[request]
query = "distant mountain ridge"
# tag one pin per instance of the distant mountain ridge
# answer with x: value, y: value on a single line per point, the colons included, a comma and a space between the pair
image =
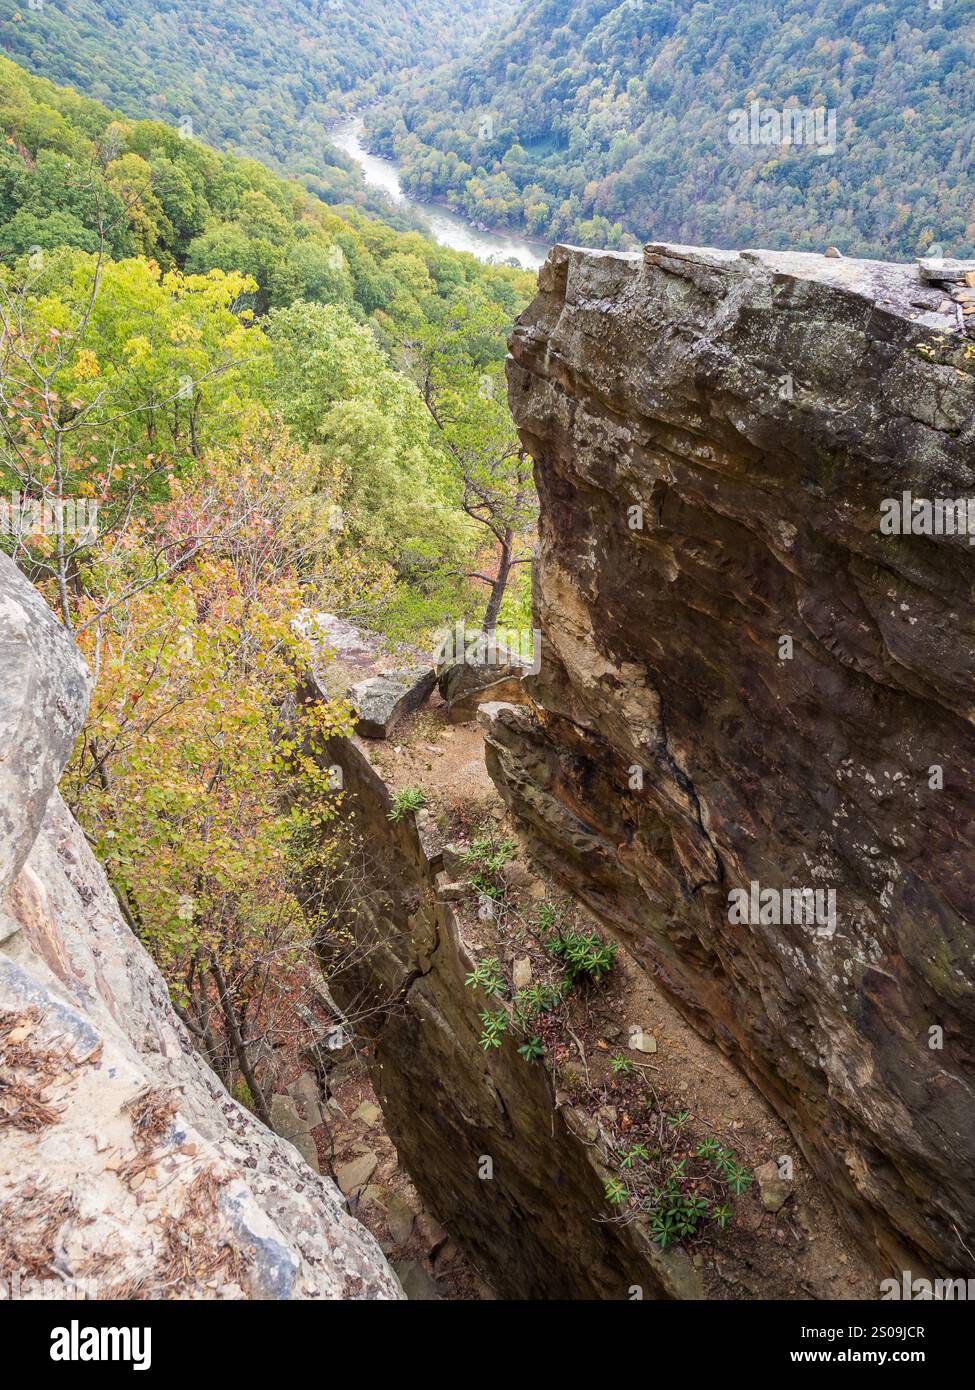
x: 586, y: 119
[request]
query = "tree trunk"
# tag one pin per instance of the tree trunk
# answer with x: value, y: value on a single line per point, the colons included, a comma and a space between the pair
x: 239, y: 1045
x: 499, y: 586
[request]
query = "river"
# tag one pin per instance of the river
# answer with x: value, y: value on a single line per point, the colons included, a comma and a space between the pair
x: 445, y: 227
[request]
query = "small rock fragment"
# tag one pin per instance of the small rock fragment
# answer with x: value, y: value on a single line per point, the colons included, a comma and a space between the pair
x: 522, y: 973
x: 399, y: 1218
x: 349, y: 1176
x: 773, y: 1189
x: 368, y: 1113
x: 641, y: 1041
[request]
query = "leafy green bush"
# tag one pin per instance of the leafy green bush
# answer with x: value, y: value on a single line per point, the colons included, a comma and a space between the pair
x: 535, y: 1000
x: 676, y: 1215
x: 533, y: 1050
x: 546, y: 917
x: 584, y: 954
x: 486, y: 975
x: 495, y: 1025
x: 487, y: 857
x: 677, y: 1201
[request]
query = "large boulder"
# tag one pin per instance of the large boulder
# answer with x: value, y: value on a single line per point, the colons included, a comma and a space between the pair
x: 44, y: 689
x: 384, y: 701
x: 480, y: 673
x: 383, y: 686
x: 745, y: 681
x: 125, y: 1166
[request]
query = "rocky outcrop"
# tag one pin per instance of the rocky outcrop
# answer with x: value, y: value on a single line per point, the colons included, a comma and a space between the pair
x: 126, y: 1169
x: 509, y: 1168
x: 745, y: 681
x: 471, y: 680
x: 385, y: 701
x: 355, y: 666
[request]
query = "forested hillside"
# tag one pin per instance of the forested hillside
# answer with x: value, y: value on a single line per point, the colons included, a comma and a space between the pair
x: 155, y: 222
x: 224, y: 405
x: 260, y: 78
x: 587, y: 119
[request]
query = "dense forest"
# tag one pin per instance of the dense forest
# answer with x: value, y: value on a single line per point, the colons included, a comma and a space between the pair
x: 259, y: 79
x: 601, y: 121
x: 263, y: 408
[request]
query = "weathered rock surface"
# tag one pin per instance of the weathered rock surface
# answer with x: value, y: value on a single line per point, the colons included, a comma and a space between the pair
x: 773, y: 1190
x: 124, y: 1163
x: 467, y: 681
x: 43, y: 697
x: 756, y: 410
x: 512, y: 1175
x: 384, y: 700
x: 286, y: 1121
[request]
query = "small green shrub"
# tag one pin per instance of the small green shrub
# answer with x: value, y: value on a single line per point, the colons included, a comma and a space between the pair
x: 407, y: 799
x: 535, y: 1000
x: 488, y: 854
x: 495, y: 1025
x: 639, y: 1151
x: 584, y: 955
x: 488, y: 857
x: 622, y: 1066
x: 677, y: 1201
x: 675, y: 1216
x: 533, y: 1050
x: 737, y: 1178
x: 486, y: 976
x: 546, y: 917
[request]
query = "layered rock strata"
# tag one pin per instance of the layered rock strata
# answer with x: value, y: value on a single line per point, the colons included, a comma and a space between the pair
x: 754, y: 677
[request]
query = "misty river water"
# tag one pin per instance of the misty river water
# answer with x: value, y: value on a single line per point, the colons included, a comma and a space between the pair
x: 444, y: 226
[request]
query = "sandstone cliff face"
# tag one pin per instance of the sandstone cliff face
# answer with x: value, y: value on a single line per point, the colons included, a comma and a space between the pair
x: 759, y: 409
x: 512, y: 1172
x: 125, y: 1167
